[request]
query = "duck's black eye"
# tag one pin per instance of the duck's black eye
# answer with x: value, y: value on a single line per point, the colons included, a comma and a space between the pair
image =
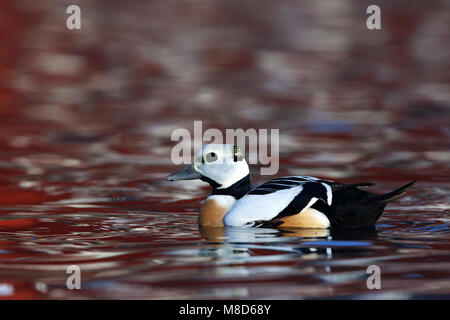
x: 211, y: 157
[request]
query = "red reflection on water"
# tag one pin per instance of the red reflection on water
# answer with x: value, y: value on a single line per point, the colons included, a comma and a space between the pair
x: 85, y: 125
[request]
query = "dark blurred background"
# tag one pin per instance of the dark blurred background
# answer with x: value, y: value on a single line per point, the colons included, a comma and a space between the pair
x: 349, y: 102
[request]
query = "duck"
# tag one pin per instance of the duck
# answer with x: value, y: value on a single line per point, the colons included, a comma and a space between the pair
x: 289, y: 201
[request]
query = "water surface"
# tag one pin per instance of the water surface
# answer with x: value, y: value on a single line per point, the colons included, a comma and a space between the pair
x: 85, y: 124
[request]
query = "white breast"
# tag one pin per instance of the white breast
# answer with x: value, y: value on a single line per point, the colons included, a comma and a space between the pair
x: 224, y: 201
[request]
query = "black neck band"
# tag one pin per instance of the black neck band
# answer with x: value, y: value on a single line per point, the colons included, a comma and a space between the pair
x: 236, y: 190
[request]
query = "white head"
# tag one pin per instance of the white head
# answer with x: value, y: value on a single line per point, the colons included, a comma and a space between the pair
x: 223, y: 164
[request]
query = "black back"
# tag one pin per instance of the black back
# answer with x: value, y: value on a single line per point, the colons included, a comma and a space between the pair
x: 310, y: 190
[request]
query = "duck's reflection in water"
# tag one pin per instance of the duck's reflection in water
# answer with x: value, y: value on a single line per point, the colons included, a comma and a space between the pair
x: 242, y: 254
x: 251, y: 235
x: 275, y: 244
x: 253, y: 254
x: 234, y: 243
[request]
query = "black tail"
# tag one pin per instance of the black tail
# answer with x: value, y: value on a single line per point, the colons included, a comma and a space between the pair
x: 353, y: 208
x: 342, y: 186
x: 397, y: 193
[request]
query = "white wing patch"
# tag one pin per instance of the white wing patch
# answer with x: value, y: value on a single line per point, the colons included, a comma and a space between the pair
x: 254, y: 207
x: 278, y: 198
x: 329, y: 193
